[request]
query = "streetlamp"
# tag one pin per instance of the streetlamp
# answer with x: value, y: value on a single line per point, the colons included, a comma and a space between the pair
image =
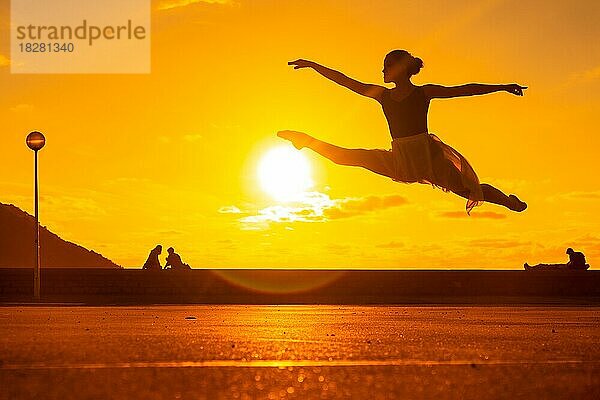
x: 35, y: 141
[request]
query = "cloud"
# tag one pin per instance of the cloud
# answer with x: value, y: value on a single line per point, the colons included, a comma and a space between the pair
x: 73, y: 206
x: 283, y: 214
x: 128, y: 180
x: 193, y: 137
x: 586, y: 243
x: 586, y: 76
x: 170, y: 4
x: 475, y: 214
x: 350, y: 207
x: 4, y: 61
x: 580, y: 78
x: 339, y: 249
x: 391, y: 245
x: 589, y: 239
x: 170, y: 232
x: 498, y: 243
x: 22, y: 108
x: 319, y: 207
x: 581, y: 195
x: 229, y: 210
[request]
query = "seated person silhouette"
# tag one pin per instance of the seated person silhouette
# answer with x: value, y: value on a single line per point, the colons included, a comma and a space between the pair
x: 174, y: 261
x: 152, y: 262
x: 576, y: 262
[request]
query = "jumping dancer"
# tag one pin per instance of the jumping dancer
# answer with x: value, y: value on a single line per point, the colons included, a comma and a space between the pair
x: 416, y: 155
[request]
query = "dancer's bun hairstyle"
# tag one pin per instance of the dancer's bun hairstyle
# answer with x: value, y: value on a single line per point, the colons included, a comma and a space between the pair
x: 415, y: 62
x: 416, y: 66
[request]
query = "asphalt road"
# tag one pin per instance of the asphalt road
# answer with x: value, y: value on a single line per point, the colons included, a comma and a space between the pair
x: 303, y: 352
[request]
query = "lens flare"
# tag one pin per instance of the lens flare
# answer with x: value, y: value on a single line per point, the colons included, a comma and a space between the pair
x: 280, y: 281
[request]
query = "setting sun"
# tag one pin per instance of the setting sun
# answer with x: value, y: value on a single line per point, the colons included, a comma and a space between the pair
x: 284, y: 173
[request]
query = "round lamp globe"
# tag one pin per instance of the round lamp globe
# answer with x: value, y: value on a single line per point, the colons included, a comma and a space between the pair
x: 35, y: 140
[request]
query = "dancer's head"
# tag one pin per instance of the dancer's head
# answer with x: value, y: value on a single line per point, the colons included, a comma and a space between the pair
x: 400, y: 65
x: 170, y: 250
x: 570, y: 251
x: 158, y: 248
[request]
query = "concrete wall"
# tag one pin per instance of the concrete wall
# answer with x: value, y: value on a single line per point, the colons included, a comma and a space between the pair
x: 346, y: 287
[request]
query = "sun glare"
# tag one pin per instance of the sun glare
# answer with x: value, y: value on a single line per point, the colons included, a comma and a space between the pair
x: 284, y: 173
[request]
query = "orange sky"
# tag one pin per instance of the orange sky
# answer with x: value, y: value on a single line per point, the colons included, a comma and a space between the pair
x: 171, y: 157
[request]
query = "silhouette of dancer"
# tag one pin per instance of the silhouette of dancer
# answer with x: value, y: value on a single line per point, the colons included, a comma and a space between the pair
x: 174, y: 261
x: 152, y: 263
x: 576, y: 262
x: 416, y: 154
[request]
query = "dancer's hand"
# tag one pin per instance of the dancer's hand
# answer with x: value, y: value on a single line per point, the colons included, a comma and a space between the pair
x: 515, y: 89
x: 300, y: 63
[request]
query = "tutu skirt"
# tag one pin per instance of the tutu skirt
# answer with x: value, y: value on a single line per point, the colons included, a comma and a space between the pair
x: 424, y: 158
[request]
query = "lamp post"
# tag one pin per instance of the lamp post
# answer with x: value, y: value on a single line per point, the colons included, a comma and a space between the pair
x: 35, y: 141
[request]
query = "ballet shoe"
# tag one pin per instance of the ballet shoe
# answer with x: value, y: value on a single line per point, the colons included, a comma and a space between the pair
x: 518, y: 205
x: 298, y: 139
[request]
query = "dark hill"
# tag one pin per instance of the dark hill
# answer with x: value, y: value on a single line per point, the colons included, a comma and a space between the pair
x: 17, y: 245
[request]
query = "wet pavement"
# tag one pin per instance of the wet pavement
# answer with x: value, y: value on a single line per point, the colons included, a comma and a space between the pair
x: 303, y: 352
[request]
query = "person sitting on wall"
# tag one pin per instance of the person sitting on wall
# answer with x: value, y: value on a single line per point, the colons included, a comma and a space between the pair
x: 576, y: 262
x: 174, y: 261
x: 152, y: 263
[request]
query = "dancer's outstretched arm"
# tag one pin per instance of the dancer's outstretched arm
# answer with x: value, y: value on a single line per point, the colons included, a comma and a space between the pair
x: 364, y: 89
x: 470, y: 89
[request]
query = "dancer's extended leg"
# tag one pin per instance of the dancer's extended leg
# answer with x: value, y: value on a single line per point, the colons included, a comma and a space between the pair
x: 496, y: 196
x: 376, y: 160
x: 381, y: 162
x: 490, y: 193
